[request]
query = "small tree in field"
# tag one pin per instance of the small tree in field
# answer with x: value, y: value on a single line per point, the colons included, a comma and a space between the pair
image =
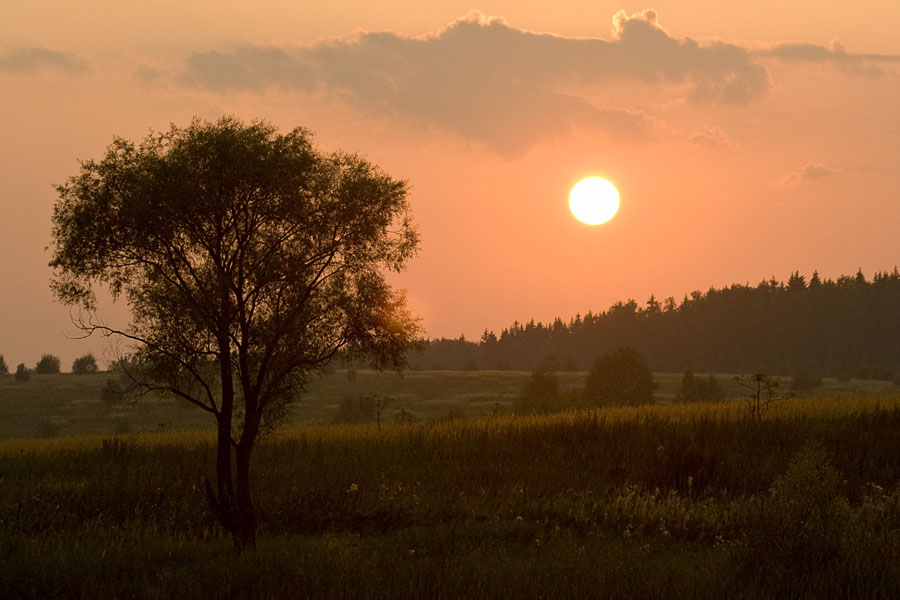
x: 85, y: 364
x: 620, y: 377
x: 4, y: 368
x: 764, y: 394
x: 249, y: 261
x: 22, y: 373
x: 48, y: 365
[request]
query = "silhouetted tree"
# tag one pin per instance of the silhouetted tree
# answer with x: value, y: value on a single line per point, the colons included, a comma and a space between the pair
x: 620, y: 377
x: 763, y: 394
x: 249, y: 261
x: 22, y: 373
x: 540, y: 394
x: 84, y: 364
x: 694, y: 389
x: 48, y: 365
x: 4, y: 368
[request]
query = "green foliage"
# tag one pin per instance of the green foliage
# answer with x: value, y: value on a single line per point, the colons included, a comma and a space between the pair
x: 620, y: 377
x: 699, y: 390
x: 806, y: 540
x: 541, y: 395
x: 4, y: 368
x: 22, y: 373
x: 645, y: 502
x: 84, y: 364
x: 249, y: 260
x: 48, y: 365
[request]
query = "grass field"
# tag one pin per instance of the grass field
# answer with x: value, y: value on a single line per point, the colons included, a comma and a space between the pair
x: 66, y: 404
x: 666, y: 501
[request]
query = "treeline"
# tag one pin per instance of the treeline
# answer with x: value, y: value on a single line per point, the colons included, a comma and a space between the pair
x: 849, y: 327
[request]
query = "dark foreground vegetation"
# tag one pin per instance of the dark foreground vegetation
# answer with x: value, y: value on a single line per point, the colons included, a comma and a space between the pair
x: 690, y: 500
x: 840, y: 328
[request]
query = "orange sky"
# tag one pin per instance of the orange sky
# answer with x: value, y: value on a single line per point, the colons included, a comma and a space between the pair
x: 747, y: 140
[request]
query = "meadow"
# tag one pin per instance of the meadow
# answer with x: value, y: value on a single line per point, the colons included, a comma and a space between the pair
x: 669, y: 500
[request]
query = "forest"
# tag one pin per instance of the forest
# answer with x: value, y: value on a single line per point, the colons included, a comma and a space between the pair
x: 839, y: 328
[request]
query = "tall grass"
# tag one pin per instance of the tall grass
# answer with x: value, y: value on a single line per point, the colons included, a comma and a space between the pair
x: 660, y: 501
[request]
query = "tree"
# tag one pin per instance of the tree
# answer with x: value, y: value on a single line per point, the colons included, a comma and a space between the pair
x: 22, y: 373
x: 48, y: 365
x: 620, y: 377
x: 85, y: 364
x: 249, y: 260
x: 763, y: 394
x: 694, y: 389
x: 540, y: 395
x: 4, y: 368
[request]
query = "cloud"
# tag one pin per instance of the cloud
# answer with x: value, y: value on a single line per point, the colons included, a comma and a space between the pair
x: 250, y: 68
x: 811, y: 172
x: 714, y: 137
x: 148, y: 75
x: 28, y: 61
x: 835, y: 54
x: 486, y: 80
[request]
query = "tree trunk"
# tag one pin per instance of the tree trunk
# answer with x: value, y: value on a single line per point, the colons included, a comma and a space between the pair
x: 233, y: 504
x: 245, y: 533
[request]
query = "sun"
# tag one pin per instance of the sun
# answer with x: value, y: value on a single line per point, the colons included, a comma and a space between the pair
x: 594, y: 200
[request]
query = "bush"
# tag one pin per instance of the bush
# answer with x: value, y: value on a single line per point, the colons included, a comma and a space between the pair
x: 22, y: 373
x: 620, y: 377
x: 694, y: 389
x: 85, y: 364
x: 48, y: 365
x: 799, y: 528
x: 4, y: 369
x: 541, y: 395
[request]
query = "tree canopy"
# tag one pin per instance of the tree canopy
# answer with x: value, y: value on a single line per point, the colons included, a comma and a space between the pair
x: 249, y: 260
x: 620, y: 377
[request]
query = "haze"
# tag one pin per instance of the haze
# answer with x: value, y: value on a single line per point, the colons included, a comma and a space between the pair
x: 746, y: 141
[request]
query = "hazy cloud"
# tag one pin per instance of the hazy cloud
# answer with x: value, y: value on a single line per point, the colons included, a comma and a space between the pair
x: 486, y: 80
x: 811, y: 172
x: 714, y: 137
x: 835, y: 54
x: 148, y: 75
x: 28, y: 61
x: 250, y: 68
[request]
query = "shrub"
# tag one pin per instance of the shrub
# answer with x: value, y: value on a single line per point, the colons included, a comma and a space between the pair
x: 48, y: 365
x: 694, y: 389
x: 798, y: 529
x: 22, y: 373
x: 540, y: 395
x: 85, y: 364
x: 620, y: 377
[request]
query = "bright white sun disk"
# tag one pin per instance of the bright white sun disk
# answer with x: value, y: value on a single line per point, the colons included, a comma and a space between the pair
x: 594, y: 200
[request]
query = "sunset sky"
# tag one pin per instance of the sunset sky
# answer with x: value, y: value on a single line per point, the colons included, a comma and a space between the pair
x: 747, y: 139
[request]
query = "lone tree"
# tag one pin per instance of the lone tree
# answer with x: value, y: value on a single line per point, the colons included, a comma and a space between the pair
x: 84, y: 364
x: 249, y: 260
x: 620, y: 377
x: 48, y: 365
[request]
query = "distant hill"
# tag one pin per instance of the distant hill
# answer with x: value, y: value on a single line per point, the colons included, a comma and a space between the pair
x: 849, y: 327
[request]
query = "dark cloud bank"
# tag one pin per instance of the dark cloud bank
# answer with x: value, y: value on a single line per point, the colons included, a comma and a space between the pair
x: 486, y: 80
